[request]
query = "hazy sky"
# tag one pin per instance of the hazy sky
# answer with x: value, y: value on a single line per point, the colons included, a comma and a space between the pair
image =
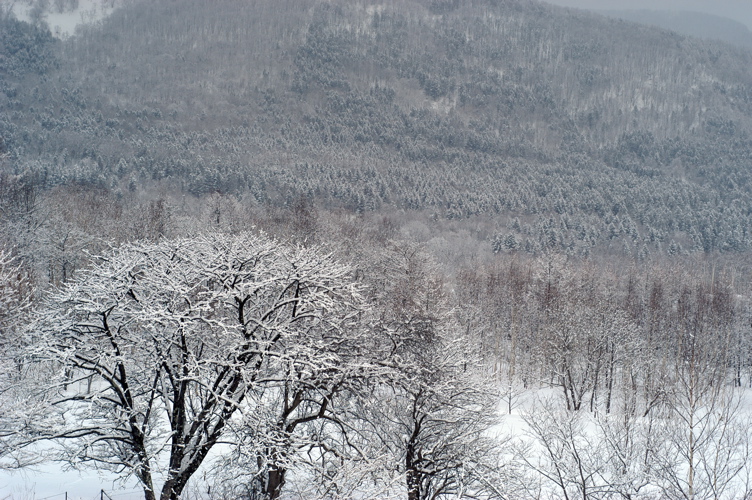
x: 739, y: 10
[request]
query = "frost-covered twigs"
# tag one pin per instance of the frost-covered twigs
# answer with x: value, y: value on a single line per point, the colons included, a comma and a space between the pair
x: 433, y: 416
x: 161, y: 350
x: 15, y: 298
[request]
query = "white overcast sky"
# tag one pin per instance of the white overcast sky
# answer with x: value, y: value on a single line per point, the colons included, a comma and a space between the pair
x: 739, y: 10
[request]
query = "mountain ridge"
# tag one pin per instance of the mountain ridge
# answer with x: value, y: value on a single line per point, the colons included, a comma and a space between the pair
x: 594, y: 132
x: 689, y: 23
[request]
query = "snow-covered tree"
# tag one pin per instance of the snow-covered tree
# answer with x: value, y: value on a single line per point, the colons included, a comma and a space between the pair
x: 434, y: 418
x: 160, y: 351
x: 573, y: 454
x: 707, y: 444
x: 15, y: 294
x: 439, y: 426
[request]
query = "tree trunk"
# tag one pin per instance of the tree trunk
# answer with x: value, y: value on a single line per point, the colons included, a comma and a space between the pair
x: 274, y: 483
x: 610, y: 384
x: 413, y: 485
x: 413, y: 474
x: 168, y: 490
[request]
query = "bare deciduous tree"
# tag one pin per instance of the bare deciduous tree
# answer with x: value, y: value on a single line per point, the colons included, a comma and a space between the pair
x: 159, y: 351
x: 435, y: 415
x: 15, y: 295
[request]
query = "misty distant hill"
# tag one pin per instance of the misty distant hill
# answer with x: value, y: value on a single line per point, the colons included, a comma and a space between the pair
x: 689, y: 23
x: 579, y: 130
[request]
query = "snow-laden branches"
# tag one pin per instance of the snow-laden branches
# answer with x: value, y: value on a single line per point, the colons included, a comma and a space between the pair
x: 160, y: 350
x: 15, y: 295
x: 434, y: 419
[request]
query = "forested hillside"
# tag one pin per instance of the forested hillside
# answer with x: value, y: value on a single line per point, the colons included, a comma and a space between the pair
x: 272, y: 248
x: 572, y: 131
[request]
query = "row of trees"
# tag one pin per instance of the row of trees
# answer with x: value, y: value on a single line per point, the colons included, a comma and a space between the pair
x: 645, y: 375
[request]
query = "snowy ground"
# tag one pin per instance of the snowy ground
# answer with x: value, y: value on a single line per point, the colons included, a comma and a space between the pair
x: 51, y: 483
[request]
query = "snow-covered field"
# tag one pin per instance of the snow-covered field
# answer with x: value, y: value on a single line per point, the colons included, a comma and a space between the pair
x: 518, y: 439
x: 52, y: 483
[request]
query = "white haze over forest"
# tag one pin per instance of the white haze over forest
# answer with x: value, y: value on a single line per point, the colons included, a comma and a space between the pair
x: 738, y: 10
x: 63, y: 24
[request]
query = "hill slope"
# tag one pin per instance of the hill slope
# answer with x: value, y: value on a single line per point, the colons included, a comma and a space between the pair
x: 572, y: 131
